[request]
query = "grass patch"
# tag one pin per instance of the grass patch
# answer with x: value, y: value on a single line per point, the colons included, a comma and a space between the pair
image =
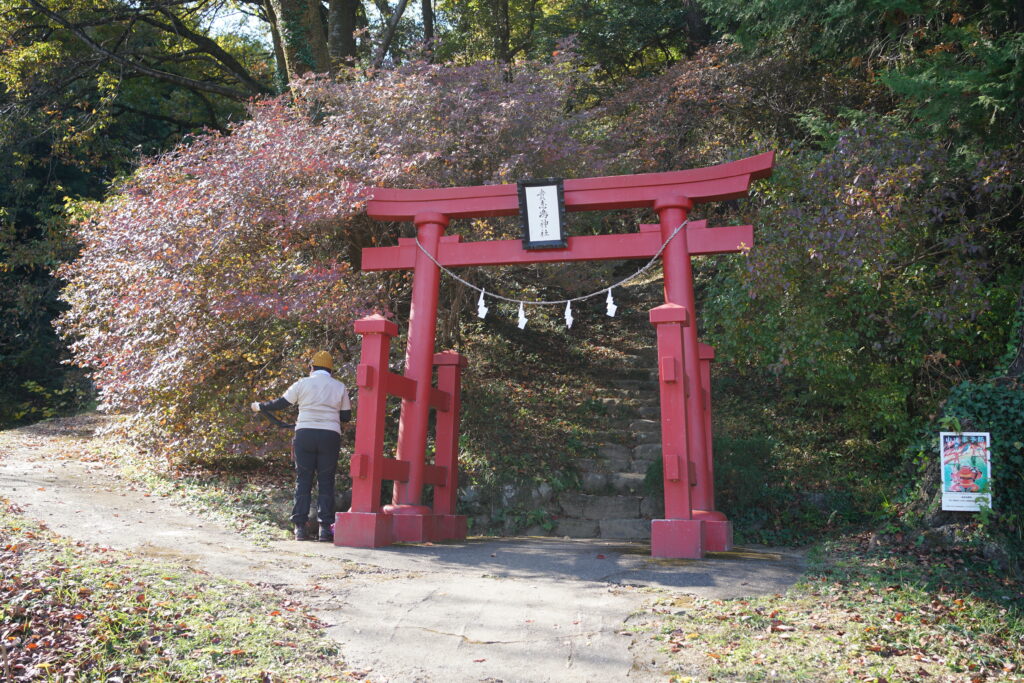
x: 864, y: 612
x: 256, y: 504
x: 73, y: 612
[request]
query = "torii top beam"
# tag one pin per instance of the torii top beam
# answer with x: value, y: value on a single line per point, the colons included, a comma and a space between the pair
x: 713, y: 183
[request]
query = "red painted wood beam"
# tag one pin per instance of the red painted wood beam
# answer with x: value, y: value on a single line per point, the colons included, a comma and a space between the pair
x: 395, y: 470
x: 440, y: 400
x: 402, y: 386
x: 643, y: 244
x: 713, y: 183
x: 435, y: 475
x: 399, y: 385
x: 703, y: 240
x: 398, y: 470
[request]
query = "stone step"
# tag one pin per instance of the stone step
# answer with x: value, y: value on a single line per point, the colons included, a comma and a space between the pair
x: 628, y: 397
x: 614, y: 451
x: 645, y: 431
x: 649, y: 412
x: 638, y: 528
x: 630, y: 410
x: 634, y: 384
x: 611, y: 466
x: 652, y: 507
x: 622, y: 422
x: 640, y: 372
x: 614, y: 437
x: 628, y: 439
x: 620, y: 408
x: 642, y: 362
x: 647, y: 438
x: 577, y: 528
x: 621, y: 425
x: 642, y: 465
x: 625, y: 478
x: 626, y: 482
x: 594, y: 482
x: 595, y: 507
x: 647, y: 451
x: 637, y: 395
x: 625, y: 529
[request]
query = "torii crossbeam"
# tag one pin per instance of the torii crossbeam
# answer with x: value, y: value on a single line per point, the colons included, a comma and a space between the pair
x: 691, y: 526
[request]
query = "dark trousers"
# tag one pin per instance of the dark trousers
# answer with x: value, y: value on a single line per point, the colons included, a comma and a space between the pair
x: 315, y: 452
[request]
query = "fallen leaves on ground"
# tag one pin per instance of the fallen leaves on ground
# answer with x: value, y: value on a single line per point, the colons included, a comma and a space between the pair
x: 863, y: 613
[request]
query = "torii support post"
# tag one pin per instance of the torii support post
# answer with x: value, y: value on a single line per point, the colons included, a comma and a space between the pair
x: 679, y: 534
x: 365, y: 525
x: 418, y: 523
x: 717, y: 532
x: 679, y: 290
x: 447, y: 524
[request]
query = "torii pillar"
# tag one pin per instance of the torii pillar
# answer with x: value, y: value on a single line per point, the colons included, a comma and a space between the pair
x: 419, y: 366
x: 678, y: 285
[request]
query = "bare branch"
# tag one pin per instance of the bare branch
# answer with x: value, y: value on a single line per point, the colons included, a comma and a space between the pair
x: 389, y: 34
x: 183, y: 81
x: 210, y: 46
x: 183, y: 124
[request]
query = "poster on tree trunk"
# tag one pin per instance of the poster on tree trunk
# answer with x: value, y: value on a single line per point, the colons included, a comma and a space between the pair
x: 966, y: 470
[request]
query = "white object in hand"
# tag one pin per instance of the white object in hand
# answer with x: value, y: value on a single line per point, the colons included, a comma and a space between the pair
x: 611, y: 304
x: 255, y: 407
x: 522, y: 316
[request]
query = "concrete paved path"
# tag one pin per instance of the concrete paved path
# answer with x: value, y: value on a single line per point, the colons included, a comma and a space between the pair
x: 510, y: 609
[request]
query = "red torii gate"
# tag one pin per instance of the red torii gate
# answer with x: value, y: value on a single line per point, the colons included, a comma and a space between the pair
x: 691, y: 525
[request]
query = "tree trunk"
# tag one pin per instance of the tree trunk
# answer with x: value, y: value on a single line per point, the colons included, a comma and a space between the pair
x: 502, y: 36
x: 428, y: 27
x: 697, y: 30
x: 317, y: 36
x: 282, y: 64
x: 303, y: 37
x: 341, y: 43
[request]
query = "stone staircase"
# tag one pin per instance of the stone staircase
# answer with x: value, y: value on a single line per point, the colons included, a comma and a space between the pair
x: 614, y: 502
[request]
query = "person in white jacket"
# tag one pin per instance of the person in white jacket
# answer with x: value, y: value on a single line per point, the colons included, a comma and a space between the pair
x: 324, y: 407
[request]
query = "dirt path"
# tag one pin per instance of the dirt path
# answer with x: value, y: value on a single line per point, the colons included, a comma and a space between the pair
x: 522, y: 609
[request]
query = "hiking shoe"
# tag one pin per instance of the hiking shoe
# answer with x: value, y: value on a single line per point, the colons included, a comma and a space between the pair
x: 300, y: 533
x: 326, y: 535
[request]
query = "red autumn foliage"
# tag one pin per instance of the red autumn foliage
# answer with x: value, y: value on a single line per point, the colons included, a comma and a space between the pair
x: 208, y: 276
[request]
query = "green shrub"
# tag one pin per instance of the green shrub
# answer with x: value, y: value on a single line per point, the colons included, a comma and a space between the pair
x: 998, y: 408
x: 742, y: 471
